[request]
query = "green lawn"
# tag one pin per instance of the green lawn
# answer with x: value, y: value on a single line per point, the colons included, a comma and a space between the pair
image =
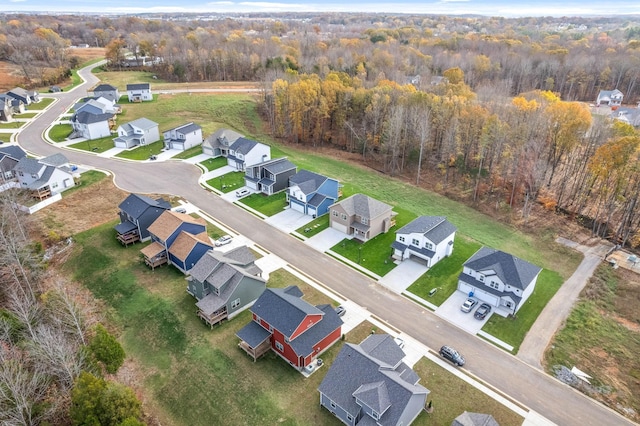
x: 60, y: 132
x: 12, y: 125
x: 228, y: 182
x: 26, y: 114
x: 191, y: 152
x: 214, y: 163
x: 142, y: 152
x: 95, y: 145
x: 444, y: 275
x: 44, y: 102
x: 314, y: 227
x: 512, y: 331
x: 267, y: 205
x: 375, y: 254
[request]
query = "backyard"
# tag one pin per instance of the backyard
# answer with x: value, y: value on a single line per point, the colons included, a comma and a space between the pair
x: 228, y: 182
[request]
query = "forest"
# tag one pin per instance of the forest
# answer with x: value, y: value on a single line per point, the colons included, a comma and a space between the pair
x: 492, y: 111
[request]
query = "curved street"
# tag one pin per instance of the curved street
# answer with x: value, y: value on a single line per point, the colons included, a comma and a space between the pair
x: 511, y: 376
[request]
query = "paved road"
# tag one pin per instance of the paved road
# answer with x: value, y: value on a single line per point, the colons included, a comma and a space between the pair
x: 547, y: 396
x: 559, y: 307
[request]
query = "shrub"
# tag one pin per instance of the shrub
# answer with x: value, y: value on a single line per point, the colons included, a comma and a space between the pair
x: 106, y: 349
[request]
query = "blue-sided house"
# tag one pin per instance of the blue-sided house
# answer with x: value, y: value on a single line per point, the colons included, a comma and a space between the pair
x: 311, y: 193
x: 137, y: 213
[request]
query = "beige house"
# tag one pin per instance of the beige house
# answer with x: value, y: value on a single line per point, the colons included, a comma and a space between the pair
x: 361, y: 216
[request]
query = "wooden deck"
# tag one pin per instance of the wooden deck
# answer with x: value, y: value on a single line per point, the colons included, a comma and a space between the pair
x: 257, y: 352
x: 156, y: 261
x: 130, y: 238
x: 215, y: 318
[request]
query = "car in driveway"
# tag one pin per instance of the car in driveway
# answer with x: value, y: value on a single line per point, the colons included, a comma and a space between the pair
x: 340, y: 310
x: 482, y: 312
x: 447, y: 352
x: 242, y: 192
x: 226, y: 239
x: 180, y: 210
x: 468, y: 305
x: 399, y: 342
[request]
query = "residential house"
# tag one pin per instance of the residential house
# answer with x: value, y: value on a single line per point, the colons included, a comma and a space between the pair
x: 245, y: 152
x: 91, y: 126
x: 311, y: 193
x: 137, y: 213
x: 225, y: 284
x: 107, y: 91
x: 498, y: 278
x: 45, y: 177
x: 6, y: 108
x: 369, y: 384
x: 426, y: 239
x: 474, y: 419
x: 164, y: 231
x: 139, y: 92
x: 27, y: 97
x: 137, y: 132
x: 361, y: 216
x: 183, y: 137
x: 627, y: 115
x: 294, y: 329
x: 218, y: 143
x: 9, y: 157
x: 187, y: 249
x: 96, y: 106
x: 610, y: 97
x: 271, y: 176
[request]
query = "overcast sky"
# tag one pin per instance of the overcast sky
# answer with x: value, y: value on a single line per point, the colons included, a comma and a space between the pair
x: 507, y: 8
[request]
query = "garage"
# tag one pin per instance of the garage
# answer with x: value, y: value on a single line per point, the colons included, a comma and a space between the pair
x: 419, y: 260
x: 339, y: 227
x: 296, y: 206
x: 311, y: 211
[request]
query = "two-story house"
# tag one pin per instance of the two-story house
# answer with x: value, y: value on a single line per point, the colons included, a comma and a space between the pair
x: 139, y: 92
x: 174, y: 237
x: 294, y: 329
x: 426, y: 239
x: 311, y: 193
x: 609, y: 97
x: 369, y: 384
x: 9, y: 157
x: 97, y: 105
x: 137, y: 132
x: 107, y: 91
x: 271, y: 176
x: 361, y: 216
x: 27, y: 97
x: 137, y: 213
x: 245, y: 152
x: 183, y: 137
x: 498, y: 278
x: 217, y: 144
x: 46, y: 176
x: 6, y: 107
x: 225, y: 284
x: 91, y: 126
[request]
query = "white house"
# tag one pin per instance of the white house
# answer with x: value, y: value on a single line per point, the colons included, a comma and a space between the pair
x: 91, y: 126
x: 246, y: 152
x: 498, y: 278
x: 107, y: 91
x: 426, y: 239
x: 139, y: 92
x: 183, y: 137
x: 609, y: 97
x: 218, y: 143
x: 137, y: 132
x: 97, y: 105
x: 46, y: 176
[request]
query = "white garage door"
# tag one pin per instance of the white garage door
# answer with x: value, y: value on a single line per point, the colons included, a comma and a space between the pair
x: 491, y: 299
x: 464, y: 287
x: 340, y: 227
x: 297, y: 206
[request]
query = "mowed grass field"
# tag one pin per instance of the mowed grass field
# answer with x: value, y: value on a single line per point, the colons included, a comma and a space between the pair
x: 190, y: 374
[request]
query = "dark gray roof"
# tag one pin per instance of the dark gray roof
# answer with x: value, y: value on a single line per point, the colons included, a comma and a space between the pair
x: 104, y: 88
x: 136, y: 204
x: 124, y: 227
x: 43, y: 180
x: 253, y: 334
x: 305, y: 343
x: 28, y: 165
x: 474, y: 419
x: 384, y: 349
x: 86, y: 117
x: 138, y: 86
x: 473, y: 282
x: 355, y: 371
x: 55, y: 160
x: 283, y: 310
x: 240, y: 257
x: 277, y: 165
x: 436, y: 228
x: 307, y: 181
x: 511, y: 270
x: 362, y: 205
x: 243, y: 145
x: 187, y: 128
x: 316, y: 200
x: 13, y: 151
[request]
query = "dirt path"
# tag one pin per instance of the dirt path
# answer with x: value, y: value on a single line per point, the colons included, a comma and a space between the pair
x: 559, y: 307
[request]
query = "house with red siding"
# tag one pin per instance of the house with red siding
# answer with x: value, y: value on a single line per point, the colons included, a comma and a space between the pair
x: 294, y: 329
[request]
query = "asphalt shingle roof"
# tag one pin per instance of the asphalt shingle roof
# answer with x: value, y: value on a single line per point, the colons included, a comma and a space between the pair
x: 29, y: 165
x: 55, y: 160
x: 138, y: 86
x: 136, y: 204
x: 167, y: 223
x: 143, y: 123
x: 104, y: 88
x: 277, y: 165
x: 227, y: 136
x: 85, y: 117
x: 436, y: 228
x: 307, y: 181
x: 13, y: 151
x: 243, y: 145
x: 362, y: 205
x: 511, y: 270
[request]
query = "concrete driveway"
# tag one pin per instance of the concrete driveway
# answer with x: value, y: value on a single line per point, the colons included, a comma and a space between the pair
x: 326, y: 239
x: 450, y: 311
x: 403, y: 275
x: 288, y: 220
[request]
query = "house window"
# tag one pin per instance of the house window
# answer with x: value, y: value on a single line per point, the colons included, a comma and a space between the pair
x: 375, y: 415
x: 333, y: 404
x: 428, y: 246
x: 54, y: 184
x: 235, y: 303
x: 401, y: 239
x: 279, y: 347
x: 493, y: 284
x: 364, y: 220
x: 334, y: 213
x: 343, y: 216
x: 349, y: 417
x: 34, y: 176
x: 481, y: 278
x: 415, y: 242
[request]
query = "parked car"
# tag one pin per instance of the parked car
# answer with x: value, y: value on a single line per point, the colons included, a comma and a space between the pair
x: 340, y: 310
x: 447, y: 352
x: 468, y: 305
x: 180, y: 210
x: 242, y: 192
x: 399, y: 342
x: 482, y: 312
x: 225, y: 239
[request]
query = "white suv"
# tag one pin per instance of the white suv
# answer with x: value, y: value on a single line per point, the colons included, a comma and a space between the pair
x: 468, y: 305
x: 242, y: 192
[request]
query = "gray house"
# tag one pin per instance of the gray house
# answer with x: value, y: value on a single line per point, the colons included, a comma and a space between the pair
x: 361, y: 216
x: 369, y: 384
x: 9, y: 158
x: 271, y: 176
x: 107, y: 91
x: 137, y: 212
x: 426, y: 239
x: 26, y: 96
x: 609, y: 97
x: 218, y: 143
x: 137, y: 132
x: 225, y: 284
x: 183, y: 137
x: 6, y: 107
